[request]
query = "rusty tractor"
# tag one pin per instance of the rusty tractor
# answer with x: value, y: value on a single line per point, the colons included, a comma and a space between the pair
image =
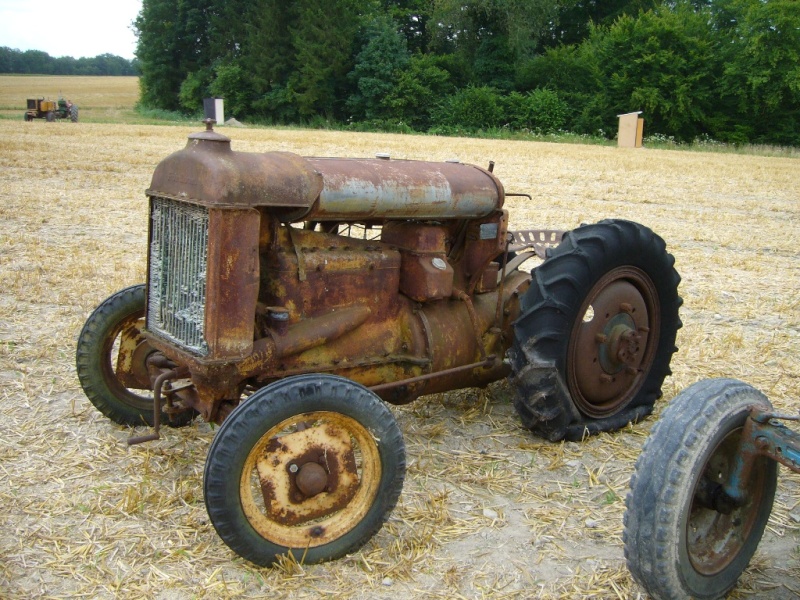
x: 703, y: 489
x: 289, y: 298
x: 51, y: 110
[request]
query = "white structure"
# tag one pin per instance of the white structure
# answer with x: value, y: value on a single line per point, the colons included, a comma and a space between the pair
x: 213, y: 108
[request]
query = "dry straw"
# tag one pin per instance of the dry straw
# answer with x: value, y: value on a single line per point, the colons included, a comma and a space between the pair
x: 488, y: 511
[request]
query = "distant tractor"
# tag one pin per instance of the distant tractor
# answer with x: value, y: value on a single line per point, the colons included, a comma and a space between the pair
x: 39, y: 108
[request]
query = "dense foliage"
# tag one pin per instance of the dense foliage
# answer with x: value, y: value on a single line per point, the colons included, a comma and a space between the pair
x: 724, y: 69
x: 36, y: 62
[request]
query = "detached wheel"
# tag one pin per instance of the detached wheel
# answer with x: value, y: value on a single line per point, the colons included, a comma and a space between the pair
x: 312, y: 464
x: 596, y: 332
x: 110, y: 361
x: 683, y: 536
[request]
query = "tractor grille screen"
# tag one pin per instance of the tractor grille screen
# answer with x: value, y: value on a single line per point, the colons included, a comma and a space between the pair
x: 177, y: 286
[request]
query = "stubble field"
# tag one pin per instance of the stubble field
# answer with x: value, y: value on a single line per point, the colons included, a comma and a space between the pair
x: 488, y: 510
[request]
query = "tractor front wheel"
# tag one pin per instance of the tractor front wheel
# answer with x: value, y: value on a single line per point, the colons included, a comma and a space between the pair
x: 596, y: 331
x: 110, y: 361
x: 311, y: 465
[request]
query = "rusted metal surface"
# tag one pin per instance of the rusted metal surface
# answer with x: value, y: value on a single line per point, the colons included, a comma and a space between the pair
x: 425, y: 273
x: 419, y: 308
x: 157, y: 386
x: 538, y: 239
x: 297, y: 467
x: 310, y: 479
x: 207, y: 171
x: 403, y: 189
x: 131, y: 370
x: 762, y: 436
x: 232, y: 282
x: 717, y: 527
x: 614, y: 341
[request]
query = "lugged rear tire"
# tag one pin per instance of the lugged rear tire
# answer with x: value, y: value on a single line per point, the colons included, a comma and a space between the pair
x: 675, y: 545
x: 596, y: 331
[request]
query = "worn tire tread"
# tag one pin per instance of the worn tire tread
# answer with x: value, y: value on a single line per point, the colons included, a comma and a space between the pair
x: 663, y: 478
x: 547, y: 311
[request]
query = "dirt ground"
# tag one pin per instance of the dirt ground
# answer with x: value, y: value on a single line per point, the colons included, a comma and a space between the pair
x: 488, y: 510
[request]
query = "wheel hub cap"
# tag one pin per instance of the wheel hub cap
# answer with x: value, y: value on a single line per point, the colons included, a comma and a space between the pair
x: 609, y: 348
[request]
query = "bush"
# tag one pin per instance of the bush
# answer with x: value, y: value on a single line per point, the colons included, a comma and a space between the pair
x: 540, y: 110
x: 472, y: 108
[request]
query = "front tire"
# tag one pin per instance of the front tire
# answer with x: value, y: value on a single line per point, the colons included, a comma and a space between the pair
x: 312, y: 464
x: 677, y: 546
x: 112, y: 335
x: 596, y: 331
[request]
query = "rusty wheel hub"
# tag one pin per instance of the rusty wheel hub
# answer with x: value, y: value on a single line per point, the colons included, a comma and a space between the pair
x: 310, y: 478
x: 713, y: 538
x: 612, y: 343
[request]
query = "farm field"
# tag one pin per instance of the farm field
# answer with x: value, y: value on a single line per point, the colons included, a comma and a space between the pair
x: 104, y: 99
x: 488, y: 510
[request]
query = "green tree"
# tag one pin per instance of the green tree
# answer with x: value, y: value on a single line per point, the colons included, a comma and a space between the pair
x: 322, y: 38
x: 420, y: 88
x: 665, y: 63
x: 411, y: 18
x: 575, y: 17
x: 159, y: 49
x: 464, y: 25
x: 762, y: 70
x: 376, y: 68
x: 232, y: 83
x: 177, y: 39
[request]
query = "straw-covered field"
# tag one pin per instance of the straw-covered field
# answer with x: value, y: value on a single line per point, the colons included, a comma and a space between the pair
x: 488, y: 511
x: 98, y: 98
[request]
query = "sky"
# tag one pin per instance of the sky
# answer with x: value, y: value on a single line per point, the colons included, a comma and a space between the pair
x: 74, y: 28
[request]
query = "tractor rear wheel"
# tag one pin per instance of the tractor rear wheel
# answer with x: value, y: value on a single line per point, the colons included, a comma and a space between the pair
x: 73, y: 113
x: 596, y: 331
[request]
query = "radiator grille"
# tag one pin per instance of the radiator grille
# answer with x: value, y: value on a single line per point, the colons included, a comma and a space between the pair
x: 177, y: 284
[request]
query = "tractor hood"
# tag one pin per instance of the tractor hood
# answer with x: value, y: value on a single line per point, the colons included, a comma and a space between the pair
x: 209, y: 173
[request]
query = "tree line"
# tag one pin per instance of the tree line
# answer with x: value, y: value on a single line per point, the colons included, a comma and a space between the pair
x: 728, y: 70
x: 36, y: 62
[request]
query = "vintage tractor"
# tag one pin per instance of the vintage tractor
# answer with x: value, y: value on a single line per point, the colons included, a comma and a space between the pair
x: 39, y: 108
x: 703, y: 488
x: 287, y: 298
